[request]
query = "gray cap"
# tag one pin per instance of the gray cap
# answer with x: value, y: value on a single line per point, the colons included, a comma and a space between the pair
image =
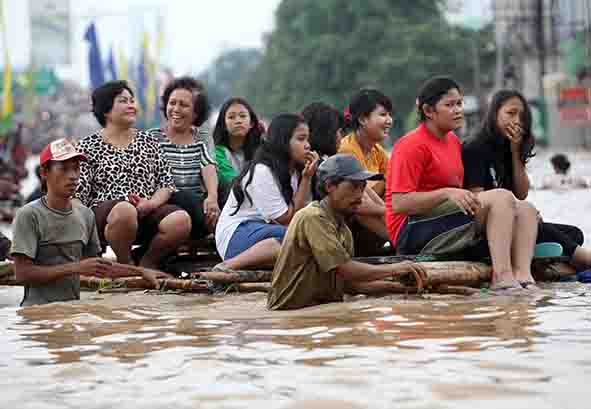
x: 345, y: 166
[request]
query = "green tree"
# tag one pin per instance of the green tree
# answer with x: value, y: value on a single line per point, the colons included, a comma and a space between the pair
x: 327, y: 50
x: 223, y: 75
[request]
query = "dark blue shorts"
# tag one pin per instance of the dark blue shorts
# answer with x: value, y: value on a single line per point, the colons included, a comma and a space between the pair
x: 250, y: 232
x: 444, y: 230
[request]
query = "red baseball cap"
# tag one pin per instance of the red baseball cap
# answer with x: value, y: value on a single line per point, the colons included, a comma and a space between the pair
x: 60, y: 150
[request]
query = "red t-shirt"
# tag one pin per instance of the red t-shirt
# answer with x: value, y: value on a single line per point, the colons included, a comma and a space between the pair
x: 421, y: 162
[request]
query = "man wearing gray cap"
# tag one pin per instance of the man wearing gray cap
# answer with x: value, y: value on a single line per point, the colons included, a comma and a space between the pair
x: 315, y: 260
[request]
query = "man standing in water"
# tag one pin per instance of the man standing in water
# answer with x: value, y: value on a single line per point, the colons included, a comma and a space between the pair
x: 315, y: 260
x: 55, y: 238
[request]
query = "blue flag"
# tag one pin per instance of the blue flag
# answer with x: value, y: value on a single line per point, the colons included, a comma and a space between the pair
x: 142, y: 81
x: 111, y: 67
x: 95, y: 62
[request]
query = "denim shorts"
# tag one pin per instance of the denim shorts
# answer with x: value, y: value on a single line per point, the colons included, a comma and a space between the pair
x: 250, y: 232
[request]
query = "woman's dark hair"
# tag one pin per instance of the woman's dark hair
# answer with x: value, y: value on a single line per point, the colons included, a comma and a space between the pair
x: 432, y: 91
x: 324, y: 122
x: 561, y: 163
x: 104, y: 96
x: 490, y: 133
x: 201, y: 105
x: 273, y: 152
x: 221, y: 136
x: 363, y: 104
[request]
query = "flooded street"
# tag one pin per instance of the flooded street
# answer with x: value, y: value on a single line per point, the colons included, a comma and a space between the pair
x: 152, y: 351
x: 193, y: 351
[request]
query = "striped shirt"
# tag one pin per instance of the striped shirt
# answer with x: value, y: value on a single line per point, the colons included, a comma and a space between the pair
x: 187, y: 160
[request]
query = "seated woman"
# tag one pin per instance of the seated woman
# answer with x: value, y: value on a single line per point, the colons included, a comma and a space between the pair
x: 370, y: 118
x: 326, y: 132
x: 429, y: 212
x: 237, y: 135
x: 496, y: 158
x: 561, y: 180
x: 127, y: 181
x: 265, y: 196
x: 190, y: 152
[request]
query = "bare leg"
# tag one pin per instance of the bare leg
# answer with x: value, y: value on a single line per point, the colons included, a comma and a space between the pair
x: 173, y: 230
x: 581, y: 257
x: 262, y: 254
x: 524, y: 240
x: 498, y: 216
x: 121, y: 230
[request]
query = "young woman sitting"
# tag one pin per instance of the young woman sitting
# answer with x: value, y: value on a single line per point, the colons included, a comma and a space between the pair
x: 265, y: 196
x: 428, y: 210
x: 496, y: 158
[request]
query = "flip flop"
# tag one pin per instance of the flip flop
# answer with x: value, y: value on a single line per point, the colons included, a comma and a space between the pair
x: 529, y: 285
x: 505, y: 287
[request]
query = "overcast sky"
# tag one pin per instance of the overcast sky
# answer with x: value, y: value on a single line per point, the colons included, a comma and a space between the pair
x: 196, y: 31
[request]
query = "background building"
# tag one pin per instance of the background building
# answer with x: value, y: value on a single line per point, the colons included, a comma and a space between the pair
x: 542, y: 49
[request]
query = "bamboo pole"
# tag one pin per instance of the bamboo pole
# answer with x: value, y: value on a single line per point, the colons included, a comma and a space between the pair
x: 242, y: 276
x: 451, y: 273
x: 95, y: 283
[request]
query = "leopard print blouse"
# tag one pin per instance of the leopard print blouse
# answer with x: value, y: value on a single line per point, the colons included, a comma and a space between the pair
x: 112, y: 173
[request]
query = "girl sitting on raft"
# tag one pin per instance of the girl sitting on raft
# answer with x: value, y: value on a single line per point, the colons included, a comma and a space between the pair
x: 237, y: 135
x: 429, y: 212
x: 265, y: 196
x: 496, y: 158
x: 326, y: 132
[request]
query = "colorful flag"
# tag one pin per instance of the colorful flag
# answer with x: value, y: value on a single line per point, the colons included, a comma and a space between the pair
x: 151, y: 82
x: 95, y: 62
x: 7, y: 105
x: 123, y: 65
x: 111, y: 67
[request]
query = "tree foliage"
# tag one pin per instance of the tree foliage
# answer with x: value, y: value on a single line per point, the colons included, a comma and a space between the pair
x: 327, y: 50
x: 222, y: 77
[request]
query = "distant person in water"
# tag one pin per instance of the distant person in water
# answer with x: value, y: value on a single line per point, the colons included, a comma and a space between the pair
x: 37, y: 193
x: 55, y: 238
x: 561, y: 180
x: 315, y: 264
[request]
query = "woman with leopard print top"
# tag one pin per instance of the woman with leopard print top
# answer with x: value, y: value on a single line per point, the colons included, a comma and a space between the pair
x: 127, y: 181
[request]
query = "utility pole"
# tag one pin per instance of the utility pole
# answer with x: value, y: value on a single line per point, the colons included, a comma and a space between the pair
x: 541, y: 42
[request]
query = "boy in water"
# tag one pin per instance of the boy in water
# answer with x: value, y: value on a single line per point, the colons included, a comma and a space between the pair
x: 55, y: 239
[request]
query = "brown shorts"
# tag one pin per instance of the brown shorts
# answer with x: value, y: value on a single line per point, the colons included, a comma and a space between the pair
x: 147, y: 226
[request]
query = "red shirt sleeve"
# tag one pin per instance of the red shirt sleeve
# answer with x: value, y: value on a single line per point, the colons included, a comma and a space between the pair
x: 409, y: 161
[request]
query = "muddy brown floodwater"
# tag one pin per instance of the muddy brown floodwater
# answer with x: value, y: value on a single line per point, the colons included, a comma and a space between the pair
x: 159, y: 351
x: 169, y: 351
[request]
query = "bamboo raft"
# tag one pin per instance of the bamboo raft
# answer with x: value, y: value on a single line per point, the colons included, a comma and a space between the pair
x: 443, y: 277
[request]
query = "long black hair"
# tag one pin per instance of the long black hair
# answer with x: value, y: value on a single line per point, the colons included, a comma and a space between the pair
x: 274, y: 153
x: 490, y: 134
x: 221, y: 136
x: 324, y: 122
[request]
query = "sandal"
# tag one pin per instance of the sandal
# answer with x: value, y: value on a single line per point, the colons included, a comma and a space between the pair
x: 529, y: 285
x: 505, y: 287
